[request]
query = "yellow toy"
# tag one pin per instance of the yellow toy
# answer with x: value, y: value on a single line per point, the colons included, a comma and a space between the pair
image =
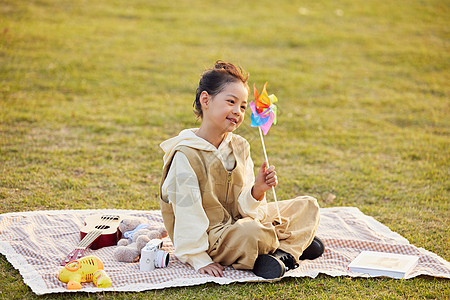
x: 101, y: 280
x: 84, y: 270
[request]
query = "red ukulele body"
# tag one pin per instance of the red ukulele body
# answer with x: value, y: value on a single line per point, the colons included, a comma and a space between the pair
x: 109, y: 227
x: 98, y: 231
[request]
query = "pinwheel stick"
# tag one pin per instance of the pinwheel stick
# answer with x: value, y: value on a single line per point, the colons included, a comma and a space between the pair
x: 267, y: 160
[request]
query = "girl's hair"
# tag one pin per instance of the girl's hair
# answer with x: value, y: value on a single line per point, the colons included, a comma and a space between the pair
x: 214, y: 80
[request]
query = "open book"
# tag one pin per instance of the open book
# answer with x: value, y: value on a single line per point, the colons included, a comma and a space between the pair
x: 383, y: 264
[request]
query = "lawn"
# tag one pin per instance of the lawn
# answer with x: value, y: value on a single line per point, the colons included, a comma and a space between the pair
x: 89, y: 89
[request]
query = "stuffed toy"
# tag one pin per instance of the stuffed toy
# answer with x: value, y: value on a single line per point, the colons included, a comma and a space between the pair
x: 136, y: 233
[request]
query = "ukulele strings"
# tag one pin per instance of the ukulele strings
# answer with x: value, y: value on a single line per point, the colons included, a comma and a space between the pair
x: 93, y: 234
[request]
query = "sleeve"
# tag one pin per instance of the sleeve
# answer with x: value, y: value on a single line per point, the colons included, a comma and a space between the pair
x: 191, y: 222
x: 249, y: 206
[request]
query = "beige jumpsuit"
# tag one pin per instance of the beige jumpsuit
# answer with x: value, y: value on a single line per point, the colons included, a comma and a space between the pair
x: 233, y: 239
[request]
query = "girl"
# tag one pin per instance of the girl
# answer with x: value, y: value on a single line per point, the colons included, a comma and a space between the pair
x: 213, y: 206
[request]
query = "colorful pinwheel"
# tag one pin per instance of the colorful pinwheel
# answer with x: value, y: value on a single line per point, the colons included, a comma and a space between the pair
x: 264, y: 112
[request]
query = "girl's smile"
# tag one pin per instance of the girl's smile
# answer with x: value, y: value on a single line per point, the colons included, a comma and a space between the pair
x: 233, y: 120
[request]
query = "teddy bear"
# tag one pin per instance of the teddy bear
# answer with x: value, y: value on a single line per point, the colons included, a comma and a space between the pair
x: 136, y: 233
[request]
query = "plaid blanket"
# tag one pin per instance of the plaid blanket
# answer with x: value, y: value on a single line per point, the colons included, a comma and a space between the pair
x: 35, y: 243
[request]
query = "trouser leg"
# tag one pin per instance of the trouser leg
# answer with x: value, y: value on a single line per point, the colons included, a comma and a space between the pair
x: 241, y: 243
x: 300, y: 218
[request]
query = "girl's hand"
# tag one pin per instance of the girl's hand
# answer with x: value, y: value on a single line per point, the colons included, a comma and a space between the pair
x: 265, y: 180
x: 213, y: 269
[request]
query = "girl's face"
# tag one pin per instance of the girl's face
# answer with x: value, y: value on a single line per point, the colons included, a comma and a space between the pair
x: 226, y: 110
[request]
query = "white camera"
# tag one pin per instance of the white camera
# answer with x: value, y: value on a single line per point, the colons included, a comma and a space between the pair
x: 153, y: 257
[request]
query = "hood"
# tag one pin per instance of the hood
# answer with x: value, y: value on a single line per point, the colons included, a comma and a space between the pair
x: 186, y: 137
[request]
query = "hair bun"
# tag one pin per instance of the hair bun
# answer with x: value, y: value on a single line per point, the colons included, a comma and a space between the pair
x: 220, y: 64
x: 231, y: 69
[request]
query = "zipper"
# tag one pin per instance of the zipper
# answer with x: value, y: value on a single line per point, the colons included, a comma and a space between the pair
x: 228, y: 185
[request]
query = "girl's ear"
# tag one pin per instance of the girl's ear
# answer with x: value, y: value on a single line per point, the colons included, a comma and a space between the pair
x: 204, y: 99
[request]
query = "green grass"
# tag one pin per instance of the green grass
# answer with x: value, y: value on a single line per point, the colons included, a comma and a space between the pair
x: 88, y: 90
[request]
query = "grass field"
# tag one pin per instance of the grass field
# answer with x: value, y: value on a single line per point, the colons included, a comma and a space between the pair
x: 88, y: 90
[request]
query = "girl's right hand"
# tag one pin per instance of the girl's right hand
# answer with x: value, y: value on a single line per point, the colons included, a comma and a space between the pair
x: 213, y: 269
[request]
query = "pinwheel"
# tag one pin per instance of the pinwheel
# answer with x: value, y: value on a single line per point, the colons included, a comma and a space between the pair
x: 264, y: 114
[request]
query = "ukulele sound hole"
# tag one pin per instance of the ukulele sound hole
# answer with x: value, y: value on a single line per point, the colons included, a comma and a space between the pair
x: 110, y: 217
x: 102, y: 227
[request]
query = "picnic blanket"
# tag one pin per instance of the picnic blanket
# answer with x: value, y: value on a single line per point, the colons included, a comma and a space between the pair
x: 35, y: 243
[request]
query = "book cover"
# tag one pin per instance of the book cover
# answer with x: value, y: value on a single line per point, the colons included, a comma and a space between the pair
x: 383, y: 264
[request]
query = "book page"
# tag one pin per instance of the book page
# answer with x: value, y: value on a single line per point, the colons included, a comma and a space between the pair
x: 390, y: 263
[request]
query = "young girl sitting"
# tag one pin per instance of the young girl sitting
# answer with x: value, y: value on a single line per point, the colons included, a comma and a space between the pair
x: 213, y: 206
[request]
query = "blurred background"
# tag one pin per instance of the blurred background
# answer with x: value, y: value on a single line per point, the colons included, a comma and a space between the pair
x: 89, y: 89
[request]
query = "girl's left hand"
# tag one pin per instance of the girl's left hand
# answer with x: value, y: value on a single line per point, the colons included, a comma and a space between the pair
x: 265, y: 180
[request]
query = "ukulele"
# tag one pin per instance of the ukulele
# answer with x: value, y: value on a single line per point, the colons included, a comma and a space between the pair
x: 98, y: 231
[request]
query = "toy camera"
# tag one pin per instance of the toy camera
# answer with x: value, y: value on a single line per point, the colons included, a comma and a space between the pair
x: 153, y: 257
